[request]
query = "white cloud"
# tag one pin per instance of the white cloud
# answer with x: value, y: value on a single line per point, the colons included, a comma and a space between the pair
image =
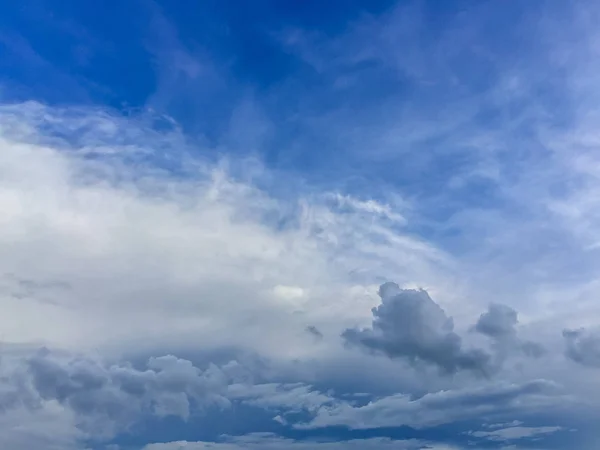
x: 272, y: 442
x: 123, y: 252
x: 442, y: 407
x: 515, y: 433
x: 104, y: 248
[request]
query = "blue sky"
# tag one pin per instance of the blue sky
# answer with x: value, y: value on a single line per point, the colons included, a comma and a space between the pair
x: 299, y: 225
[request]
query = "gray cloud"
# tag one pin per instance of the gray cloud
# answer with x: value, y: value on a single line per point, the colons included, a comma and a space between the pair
x: 499, y: 323
x: 166, y: 385
x: 101, y: 400
x: 494, y: 400
x: 583, y: 347
x: 409, y: 324
x: 98, y: 400
x: 315, y: 332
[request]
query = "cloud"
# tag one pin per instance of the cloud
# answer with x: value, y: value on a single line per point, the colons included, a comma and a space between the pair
x: 409, y: 324
x: 166, y: 386
x: 122, y: 234
x: 48, y: 426
x: 494, y: 426
x: 499, y: 323
x: 501, y: 399
x: 515, y: 433
x: 100, y: 400
x: 159, y: 246
x: 86, y: 398
x: 287, y: 397
x: 314, y: 331
x: 583, y: 347
x: 273, y: 442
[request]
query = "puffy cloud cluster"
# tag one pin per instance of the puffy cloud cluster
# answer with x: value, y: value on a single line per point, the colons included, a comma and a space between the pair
x: 409, y: 324
x: 89, y: 399
x: 105, y: 399
x: 166, y: 386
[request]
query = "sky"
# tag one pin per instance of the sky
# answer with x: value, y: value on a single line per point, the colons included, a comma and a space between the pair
x: 299, y: 225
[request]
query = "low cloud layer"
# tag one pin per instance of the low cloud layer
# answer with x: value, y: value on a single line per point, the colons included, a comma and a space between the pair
x: 268, y: 441
x: 91, y: 399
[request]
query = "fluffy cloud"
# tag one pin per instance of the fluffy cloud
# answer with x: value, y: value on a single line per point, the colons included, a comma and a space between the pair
x: 499, y: 323
x: 409, y: 324
x: 94, y: 399
x: 583, y: 347
x: 80, y: 398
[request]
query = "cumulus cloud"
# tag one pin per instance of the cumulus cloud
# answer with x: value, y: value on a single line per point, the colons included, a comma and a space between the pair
x: 583, y: 347
x: 409, y: 324
x: 100, y: 400
x: 166, y: 386
x: 499, y: 323
x: 86, y: 398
